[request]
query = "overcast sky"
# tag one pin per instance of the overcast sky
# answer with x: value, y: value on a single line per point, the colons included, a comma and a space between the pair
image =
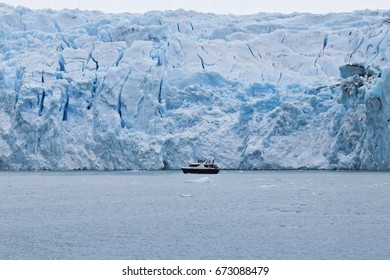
x: 214, y: 6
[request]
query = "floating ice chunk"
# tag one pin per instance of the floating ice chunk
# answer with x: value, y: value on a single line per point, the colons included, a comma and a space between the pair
x: 200, y: 180
x: 269, y: 186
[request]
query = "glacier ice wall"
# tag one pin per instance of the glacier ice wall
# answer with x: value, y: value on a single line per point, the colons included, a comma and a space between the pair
x: 88, y: 90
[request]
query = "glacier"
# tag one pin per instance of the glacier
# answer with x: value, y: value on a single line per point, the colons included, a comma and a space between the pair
x: 85, y: 90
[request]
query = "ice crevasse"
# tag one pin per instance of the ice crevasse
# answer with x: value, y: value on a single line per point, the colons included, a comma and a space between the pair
x: 95, y: 91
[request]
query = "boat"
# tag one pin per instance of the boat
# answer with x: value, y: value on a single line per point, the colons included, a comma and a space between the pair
x: 201, y: 167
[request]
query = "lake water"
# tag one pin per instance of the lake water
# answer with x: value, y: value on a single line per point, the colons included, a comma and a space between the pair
x: 169, y: 215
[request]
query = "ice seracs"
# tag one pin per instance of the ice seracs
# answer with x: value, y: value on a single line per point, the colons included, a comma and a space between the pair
x: 88, y: 90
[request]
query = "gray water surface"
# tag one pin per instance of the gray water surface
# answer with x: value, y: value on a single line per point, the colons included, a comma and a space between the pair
x: 169, y: 215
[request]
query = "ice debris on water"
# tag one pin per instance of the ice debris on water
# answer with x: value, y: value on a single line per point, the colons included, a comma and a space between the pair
x: 269, y: 186
x: 82, y: 90
x: 200, y: 180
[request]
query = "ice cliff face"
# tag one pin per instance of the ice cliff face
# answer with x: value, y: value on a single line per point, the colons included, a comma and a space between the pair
x: 87, y: 90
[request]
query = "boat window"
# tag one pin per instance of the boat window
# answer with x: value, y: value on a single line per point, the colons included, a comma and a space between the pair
x: 194, y: 165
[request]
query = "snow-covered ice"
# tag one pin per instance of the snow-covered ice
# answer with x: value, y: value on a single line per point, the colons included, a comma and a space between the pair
x: 88, y: 90
x: 156, y: 215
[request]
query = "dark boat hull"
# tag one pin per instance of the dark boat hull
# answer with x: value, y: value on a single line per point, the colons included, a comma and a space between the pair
x: 199, y: 170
